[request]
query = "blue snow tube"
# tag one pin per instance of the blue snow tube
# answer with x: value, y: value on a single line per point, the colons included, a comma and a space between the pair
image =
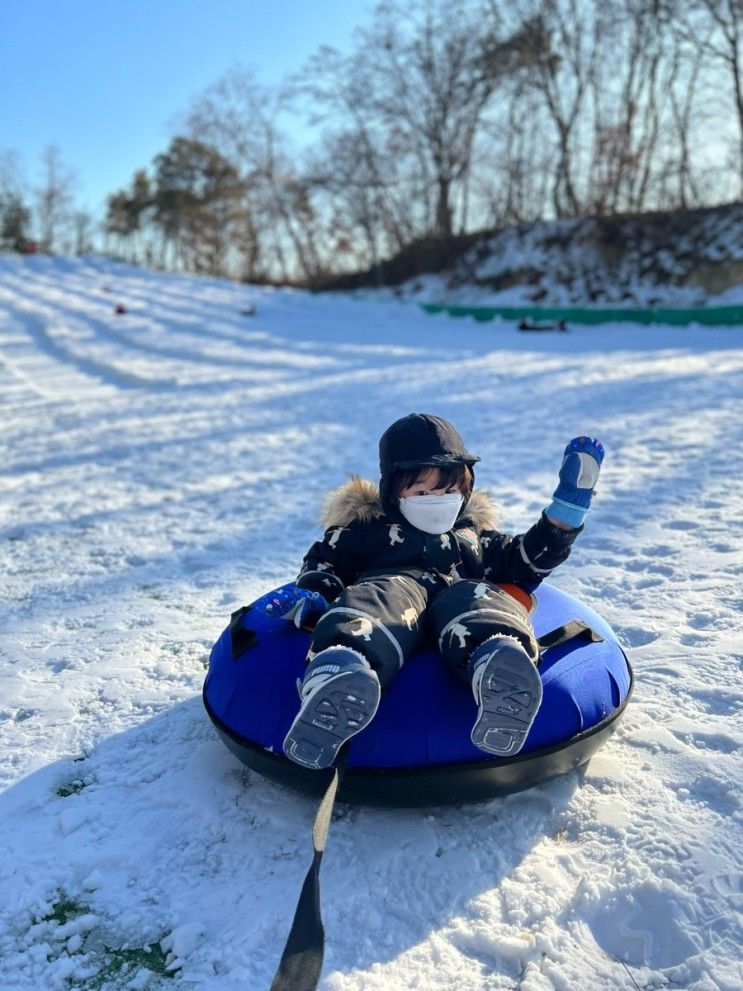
x: 417, y: 750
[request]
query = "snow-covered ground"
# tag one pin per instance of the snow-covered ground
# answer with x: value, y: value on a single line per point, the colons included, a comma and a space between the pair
x: 160, y: 467
x: 684, y: 259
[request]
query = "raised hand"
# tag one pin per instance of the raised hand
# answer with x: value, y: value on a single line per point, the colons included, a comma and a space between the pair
x: 579, y: 473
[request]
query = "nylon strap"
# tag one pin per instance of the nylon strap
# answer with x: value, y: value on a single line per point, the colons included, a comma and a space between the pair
x: 241, y: 637
x: 568, y: 631
x: 301, y: 962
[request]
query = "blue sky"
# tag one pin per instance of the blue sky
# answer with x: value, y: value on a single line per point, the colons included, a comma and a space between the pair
x: 105, y: 79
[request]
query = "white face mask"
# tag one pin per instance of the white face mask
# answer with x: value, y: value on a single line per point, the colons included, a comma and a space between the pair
x: 432, y: 513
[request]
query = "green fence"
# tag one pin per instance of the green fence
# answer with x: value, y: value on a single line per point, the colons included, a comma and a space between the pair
x: 717, y: 316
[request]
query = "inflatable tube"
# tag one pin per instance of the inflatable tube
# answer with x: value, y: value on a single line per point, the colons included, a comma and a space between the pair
x: 418, y: 754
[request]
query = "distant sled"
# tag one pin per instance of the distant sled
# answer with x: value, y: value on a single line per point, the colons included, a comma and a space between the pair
x: 526, y: 324
x: 421, y: 754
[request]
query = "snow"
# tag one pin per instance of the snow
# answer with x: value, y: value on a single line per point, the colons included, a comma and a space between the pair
x: 685, y: 260
x: 161, y: 467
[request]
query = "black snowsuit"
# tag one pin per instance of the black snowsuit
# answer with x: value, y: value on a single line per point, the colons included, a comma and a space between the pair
x: 391, y: 585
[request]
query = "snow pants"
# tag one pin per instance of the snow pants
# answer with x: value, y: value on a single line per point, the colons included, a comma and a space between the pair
x: 386, y: 617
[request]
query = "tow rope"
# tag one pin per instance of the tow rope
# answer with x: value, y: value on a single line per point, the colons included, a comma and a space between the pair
x: 301, y: 961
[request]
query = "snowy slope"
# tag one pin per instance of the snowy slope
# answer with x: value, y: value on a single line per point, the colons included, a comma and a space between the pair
x: 679, y: 259
x: 161, y: 467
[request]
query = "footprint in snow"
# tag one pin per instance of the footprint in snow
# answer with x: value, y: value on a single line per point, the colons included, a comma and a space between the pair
x: 719, y: 743
x: 646, y: 926
x: 636, y: 636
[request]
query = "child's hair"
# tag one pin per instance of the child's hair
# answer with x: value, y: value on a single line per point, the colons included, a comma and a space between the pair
x: 450, y: 476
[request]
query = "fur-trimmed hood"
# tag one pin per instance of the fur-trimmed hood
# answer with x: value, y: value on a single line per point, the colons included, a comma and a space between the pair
x: 358, y: 499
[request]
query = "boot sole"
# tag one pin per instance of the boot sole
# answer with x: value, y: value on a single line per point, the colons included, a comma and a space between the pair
x: 510, y: 696
x: 340, y: 709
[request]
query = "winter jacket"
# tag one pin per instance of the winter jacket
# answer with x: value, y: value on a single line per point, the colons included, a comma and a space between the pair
x: 362, y: 541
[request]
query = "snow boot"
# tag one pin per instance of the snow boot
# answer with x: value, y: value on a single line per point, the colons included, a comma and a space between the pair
x: 340, y: 694
x: 508, y: 690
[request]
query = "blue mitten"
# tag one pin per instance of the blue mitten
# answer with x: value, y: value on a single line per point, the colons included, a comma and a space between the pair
x: 298, y: 606
x: 578, y: 476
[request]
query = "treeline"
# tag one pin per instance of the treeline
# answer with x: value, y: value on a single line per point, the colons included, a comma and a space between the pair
x: 447, y: 116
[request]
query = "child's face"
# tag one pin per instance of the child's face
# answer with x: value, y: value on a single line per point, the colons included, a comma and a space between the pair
x: 428, y: 482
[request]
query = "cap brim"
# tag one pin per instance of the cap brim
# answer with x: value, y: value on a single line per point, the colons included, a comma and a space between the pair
x: 437, y: 460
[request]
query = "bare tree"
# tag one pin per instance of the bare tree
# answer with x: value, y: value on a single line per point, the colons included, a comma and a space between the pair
x: 621, y: 93
x: 682, y: 95
x: 350, y: 197
x: 82, y: 223
x: 714, y: 28
x: 565, y: 34
x: 240, y: 118
x: 359, y: 163
x: 628, y: 99
x: 505, y: 157
x: 53, y: 198
x: 411, y: 99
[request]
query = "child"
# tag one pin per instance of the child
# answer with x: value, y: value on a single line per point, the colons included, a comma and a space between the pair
x: 421, y: 555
